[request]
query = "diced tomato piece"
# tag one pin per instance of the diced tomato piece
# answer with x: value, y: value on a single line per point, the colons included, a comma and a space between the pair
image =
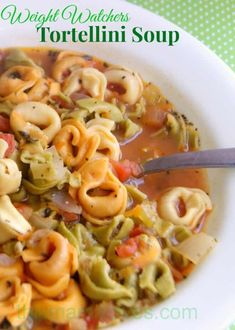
x: 116, y: 88
x: 137, y: 230
x: 70, y: 217
x: 178, y: 277
x: 92, y: 322
x: 66, y: 73
x: 187, y: 270
x: 24, y: 209
x: 4, y: 124
x: 9, y: 138
x: 125, y: 169
x: 135, y: 167
x: 123, y: 172
x: 127, y: 249
x: 62, y: 327
x: 98, y: 65
x: 62, y: 102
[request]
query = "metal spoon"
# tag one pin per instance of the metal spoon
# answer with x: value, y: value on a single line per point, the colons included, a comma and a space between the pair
x: 217, y: 158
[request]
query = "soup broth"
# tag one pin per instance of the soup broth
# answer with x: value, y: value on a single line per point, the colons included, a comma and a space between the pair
x: 84, y: 242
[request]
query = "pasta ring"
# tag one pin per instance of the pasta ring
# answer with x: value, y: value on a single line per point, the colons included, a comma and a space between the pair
x: 12, y: 222
x: 15, y: 82
x: 43, y: 89
x: 10, y: 176
x: 96, y: 175
x: 66, y: 61
x: 28, y: 117
x: 149, y: 250
x: 74, y: 144
x: 196, y: 201
x: 61, y: 311
x: 48, y: 267
x: 15, y: 299
x: 108, y: 144
x: 96, y: 282
x: 157, y: 278
x: 130, y: 81
x: 91, y: 80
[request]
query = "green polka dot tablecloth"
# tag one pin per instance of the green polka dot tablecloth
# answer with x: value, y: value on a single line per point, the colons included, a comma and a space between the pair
x: 211, y: 21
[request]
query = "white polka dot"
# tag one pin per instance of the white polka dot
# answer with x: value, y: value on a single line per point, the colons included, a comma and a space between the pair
x: 209, y: 20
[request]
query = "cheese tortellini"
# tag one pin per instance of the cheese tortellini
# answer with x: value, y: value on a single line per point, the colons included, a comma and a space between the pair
x: 89, y: 79
x: 108, y: 143
x: 61, y: 310
x: 15, y: 82
x: 12, y: 223
x: 100, y: 109
x: 10, y: 175
x: 15, y: 295
x: 96, y: 282
x: 157, y: 278
x: 117, y: 229
x: 74, y: 144
x: 53, y: 252
x: 51, y: 260
x: 101, y: 194
x: 82, y: 240
x: 25, y: 83
x: 149, y: 250
x: 27, y: 119
x: 77, y: 144
x: 129, y: 81
x: 15, y: 300
x: 65, y: 63
x: 196, y: 202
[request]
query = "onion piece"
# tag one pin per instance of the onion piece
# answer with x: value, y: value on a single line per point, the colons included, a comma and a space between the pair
x: 5, y: 260
x: 196, y: 247
x: 58, y: 163
x: 79, y: 96
x: 64, y: 201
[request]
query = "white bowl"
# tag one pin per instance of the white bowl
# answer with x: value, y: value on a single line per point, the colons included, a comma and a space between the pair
x: 202, y: 87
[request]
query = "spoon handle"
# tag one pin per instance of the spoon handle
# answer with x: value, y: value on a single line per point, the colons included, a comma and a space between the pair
x: 217, y: 158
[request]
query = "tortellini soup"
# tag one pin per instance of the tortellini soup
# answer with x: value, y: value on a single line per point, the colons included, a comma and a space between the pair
x: 85, y: 242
